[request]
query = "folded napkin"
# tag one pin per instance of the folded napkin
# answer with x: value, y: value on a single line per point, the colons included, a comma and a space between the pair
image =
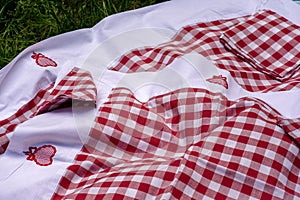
x: 267, y: 41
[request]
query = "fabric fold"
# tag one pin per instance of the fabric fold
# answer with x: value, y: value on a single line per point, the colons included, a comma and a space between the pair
x: 292, y: 128
x: 189, y: 137
x: 268, y: 42
x: 76, y: 85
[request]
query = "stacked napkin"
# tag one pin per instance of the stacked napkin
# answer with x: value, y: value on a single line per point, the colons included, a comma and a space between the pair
x: 268, y: 42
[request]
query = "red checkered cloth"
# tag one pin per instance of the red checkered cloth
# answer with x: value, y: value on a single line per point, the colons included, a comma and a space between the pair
x: 267, y: 41
x: 24, y: 113
x: 292, y: 127
x: 187, y: 144
x: 77, y: 84
x: 204, y: 38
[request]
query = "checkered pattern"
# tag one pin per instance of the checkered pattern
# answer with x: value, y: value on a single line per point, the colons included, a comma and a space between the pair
x: 77, y: 85
x: 292, y: 127
x: 24, y: 113
x: 204, y: 38
x: 269, y: 42
x: 187, y: 144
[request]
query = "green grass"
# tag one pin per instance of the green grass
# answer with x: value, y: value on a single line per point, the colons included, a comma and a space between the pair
x: 25, y: 22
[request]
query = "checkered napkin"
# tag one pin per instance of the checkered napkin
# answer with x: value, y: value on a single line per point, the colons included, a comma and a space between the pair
x: 186, y: 144
x: 204, y: 38
x: 267, y: 41
x: 77, y: 84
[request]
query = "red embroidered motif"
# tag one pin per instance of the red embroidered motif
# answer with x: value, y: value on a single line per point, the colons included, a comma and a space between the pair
x: 220, y: 80
x: 42, y: 156
x: 42, y: 60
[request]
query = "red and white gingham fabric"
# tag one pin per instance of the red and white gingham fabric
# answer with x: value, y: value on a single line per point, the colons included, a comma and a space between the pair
x: 204, y: 38
x: 187, y: 144
x: 77, y: 85
x: 268, y: 41
x: 24, y: 113
x: 292, y: 127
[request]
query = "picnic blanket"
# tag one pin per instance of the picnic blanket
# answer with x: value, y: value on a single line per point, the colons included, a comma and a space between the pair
x: 180, y: 100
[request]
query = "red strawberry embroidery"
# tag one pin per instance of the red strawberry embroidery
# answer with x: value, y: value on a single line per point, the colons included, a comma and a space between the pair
x: 42, y: 60
x: 42, y: 156
x: 220, y: 80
